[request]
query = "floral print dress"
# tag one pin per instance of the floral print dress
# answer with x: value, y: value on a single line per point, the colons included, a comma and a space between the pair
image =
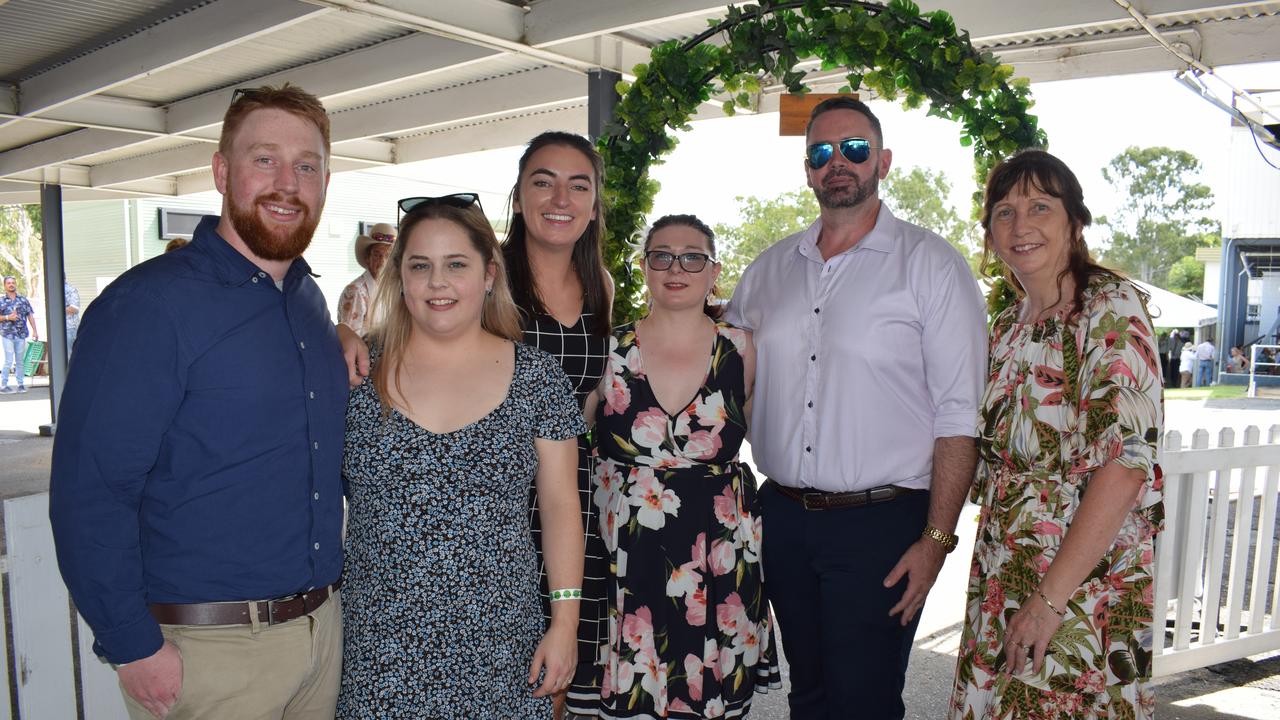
x: 690, y: 634
x: 1063, y: 400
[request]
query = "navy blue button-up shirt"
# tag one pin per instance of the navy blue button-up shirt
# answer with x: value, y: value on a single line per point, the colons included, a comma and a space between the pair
x: 199, y: 445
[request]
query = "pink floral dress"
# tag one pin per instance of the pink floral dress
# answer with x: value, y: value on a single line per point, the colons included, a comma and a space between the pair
x: 689, y: 629
x: 1063, y: 400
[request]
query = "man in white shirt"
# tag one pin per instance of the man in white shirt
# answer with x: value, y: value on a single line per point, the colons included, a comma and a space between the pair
x: 1206, y: 353
x: 871, y: 353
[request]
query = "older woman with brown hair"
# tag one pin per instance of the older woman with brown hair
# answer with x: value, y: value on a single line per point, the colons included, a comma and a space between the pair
x: 1059, y: 618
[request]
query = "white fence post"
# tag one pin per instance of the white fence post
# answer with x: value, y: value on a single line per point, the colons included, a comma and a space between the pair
x: 41, y: 612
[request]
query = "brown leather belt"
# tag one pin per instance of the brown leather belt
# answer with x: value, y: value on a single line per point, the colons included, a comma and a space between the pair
x: 821, y: 500
x: 270, y: 612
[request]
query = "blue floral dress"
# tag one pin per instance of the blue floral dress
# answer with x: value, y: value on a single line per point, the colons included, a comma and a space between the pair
x: 441, y: 607
x: 690, y: 634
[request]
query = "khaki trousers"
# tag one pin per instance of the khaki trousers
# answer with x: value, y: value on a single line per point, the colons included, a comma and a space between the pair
x: 290, y: 671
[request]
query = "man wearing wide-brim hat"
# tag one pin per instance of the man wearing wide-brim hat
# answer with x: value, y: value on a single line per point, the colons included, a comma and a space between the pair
x: 357, y: 298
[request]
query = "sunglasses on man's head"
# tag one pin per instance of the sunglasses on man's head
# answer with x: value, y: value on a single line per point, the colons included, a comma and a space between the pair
x: 855, y: 149
x: 458, y: 200
x: 692, y: 262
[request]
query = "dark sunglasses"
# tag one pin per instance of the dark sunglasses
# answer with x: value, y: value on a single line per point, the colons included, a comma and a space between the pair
x: 458, y: 200
x: 692, y: 262
x: 855, y: 149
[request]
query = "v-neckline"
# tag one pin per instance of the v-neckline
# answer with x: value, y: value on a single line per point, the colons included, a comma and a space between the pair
x: 515, y: 368
x: 706, y: 376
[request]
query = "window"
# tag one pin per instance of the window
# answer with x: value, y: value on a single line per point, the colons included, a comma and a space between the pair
x: 178, y: 223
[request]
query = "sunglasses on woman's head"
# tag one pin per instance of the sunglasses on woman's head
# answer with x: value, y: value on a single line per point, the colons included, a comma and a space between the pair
x: 855, y: 149
x: 458, y: 200
x: 691, y: 262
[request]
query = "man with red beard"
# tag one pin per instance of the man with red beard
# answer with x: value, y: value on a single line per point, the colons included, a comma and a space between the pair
x: 870, y: 346
x: 196, y: 494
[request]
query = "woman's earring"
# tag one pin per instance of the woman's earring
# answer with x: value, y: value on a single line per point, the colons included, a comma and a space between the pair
x: 488, y: 291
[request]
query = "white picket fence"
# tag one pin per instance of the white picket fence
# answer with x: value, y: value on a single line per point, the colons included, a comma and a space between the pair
x: 1207, y: 490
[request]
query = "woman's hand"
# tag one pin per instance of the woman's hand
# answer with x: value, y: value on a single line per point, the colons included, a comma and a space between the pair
x: 557, y: 654
x: 1028, y: 635
x: 356, y: 353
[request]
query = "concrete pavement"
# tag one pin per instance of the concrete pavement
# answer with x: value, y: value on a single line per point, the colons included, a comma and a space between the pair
x: 1241, y: 690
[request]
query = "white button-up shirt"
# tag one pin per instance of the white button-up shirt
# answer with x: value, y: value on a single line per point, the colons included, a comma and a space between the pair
x: 863, y: 359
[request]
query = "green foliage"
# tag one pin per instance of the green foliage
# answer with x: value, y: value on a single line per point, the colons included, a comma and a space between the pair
x: 1186, y: 277
x: 21, y: 252
x: 764, y: 222
x: 894, y: 50
x: 919, y: 196
x: 1164, y: 216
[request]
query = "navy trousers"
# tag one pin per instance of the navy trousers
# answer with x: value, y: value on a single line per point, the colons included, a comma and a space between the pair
x: 824, y: 572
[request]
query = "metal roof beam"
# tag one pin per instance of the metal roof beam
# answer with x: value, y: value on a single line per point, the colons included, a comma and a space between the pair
x: 488, y: 135
x: 190, y: 35
x: 985, y: 19
x: 534, y: 88
x: 63, y: 148
x: 556, y: 21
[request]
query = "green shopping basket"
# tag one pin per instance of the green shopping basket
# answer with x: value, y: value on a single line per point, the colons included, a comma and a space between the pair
x: 35, y: 352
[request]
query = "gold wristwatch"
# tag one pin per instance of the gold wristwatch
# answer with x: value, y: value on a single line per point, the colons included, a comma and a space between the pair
x: 948, y: 541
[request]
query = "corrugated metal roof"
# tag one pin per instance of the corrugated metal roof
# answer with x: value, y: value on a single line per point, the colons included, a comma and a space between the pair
x: 479, y: 71
x: 306, y: 42
x: 41, y: 34
x: 1168, y: 21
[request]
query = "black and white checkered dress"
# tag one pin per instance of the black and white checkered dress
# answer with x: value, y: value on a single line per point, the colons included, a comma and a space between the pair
x: 583, y: 356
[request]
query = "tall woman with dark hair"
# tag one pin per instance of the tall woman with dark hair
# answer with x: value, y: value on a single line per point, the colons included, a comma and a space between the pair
x: 689, y: 628
x: 554, y: 257
x: 1059, y: 615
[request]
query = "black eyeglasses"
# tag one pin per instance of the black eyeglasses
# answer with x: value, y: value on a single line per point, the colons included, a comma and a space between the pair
x: 855, y: 149
x: 692, y: 262
x: 458, y: 200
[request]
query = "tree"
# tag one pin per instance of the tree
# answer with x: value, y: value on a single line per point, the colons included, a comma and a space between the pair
x: 1186, y: 277
x: 20, y: 247
x: 919, y: 196
x: 764, y: 222
x: 1164, y: 216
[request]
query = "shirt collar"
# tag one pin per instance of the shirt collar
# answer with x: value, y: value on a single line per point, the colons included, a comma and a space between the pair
x: 229, y: 266
x: 880, y: 239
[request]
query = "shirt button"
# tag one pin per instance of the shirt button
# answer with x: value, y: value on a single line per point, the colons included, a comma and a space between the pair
x: 808, y: 449
x: 262, y: 274
x: 316, y: 546
x: 255, y: 279
x: 302, y: 345
x: 816, y: 311
x: 312, y: 394
x: 813, y: 358
x: 315, y: 446
x: 810, y: 403
x: 315, y: 496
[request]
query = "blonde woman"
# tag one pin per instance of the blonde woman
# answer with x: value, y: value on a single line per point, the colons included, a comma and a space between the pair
x: 456, y: 420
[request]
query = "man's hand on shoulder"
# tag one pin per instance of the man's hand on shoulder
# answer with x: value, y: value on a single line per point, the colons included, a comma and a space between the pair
x: 920, y: 564
x: 155, y: 681
x: 356, y: 354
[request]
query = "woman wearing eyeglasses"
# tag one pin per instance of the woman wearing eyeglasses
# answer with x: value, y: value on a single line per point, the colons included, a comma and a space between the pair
x: 1060, y: 611
x: 554, y: 259
x: 689, y: 631
x: 456, y: 421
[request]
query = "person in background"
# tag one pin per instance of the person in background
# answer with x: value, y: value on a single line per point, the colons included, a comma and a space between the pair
x: 442, y: 606
x: 175, y: 244
x: 1187, y: 363
x: 1237, y: 363
x: 1059, y: 620
x: 555, y: 264
x: 15, y: 316
x: 687, y: 603
x: 1172, y: 367
x: 356, y: 303
x: 196, y: 490
x: 1206, y: 353
x: 71, y: 299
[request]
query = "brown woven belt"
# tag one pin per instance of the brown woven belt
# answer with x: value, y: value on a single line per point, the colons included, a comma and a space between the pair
x: 270, y: 612
x: 821, y: 500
